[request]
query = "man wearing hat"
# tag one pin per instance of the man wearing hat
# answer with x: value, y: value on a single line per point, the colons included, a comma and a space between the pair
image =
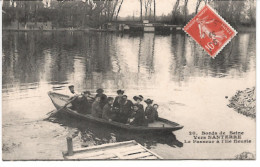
x: 118, y: 98
x: 103, y: 97
x: 150, y: 111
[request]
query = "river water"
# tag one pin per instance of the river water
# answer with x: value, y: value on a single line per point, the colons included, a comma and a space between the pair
x: 172, y: 69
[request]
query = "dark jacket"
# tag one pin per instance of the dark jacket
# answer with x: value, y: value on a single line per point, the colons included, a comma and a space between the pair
x: 74, y: 103
x: 126, y: 108
x: 108, y: 112
x: 140, y: 106
x: 150, y: 113
x: 117, y: 102
x: 156, y: 115
x: 84, y: 106
x: 103, y: 99
x: 96, y: 109
x: 139, y: 118
x: 125, y: 111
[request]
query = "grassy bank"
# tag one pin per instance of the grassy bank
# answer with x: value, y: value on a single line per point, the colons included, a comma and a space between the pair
x: 244, y: 102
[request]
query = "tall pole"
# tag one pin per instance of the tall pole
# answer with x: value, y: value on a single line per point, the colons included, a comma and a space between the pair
x: 154, y: 10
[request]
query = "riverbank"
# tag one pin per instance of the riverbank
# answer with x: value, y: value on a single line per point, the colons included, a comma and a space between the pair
x: 60, y: 29
x: 244, y: 102
x: 241, y: 29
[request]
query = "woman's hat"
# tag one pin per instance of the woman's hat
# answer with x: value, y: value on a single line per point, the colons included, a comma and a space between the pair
x: 148, y: 101
x: 100, y: 90
x: 140, y: 97
x: 120, y: 92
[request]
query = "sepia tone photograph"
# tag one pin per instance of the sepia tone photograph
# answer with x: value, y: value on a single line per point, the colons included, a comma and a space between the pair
x: 128, y: 80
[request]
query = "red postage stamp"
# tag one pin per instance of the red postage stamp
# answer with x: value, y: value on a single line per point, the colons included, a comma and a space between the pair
x: 210, y: 30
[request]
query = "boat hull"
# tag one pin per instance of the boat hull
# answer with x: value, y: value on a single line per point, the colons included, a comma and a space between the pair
x: 160, y: 126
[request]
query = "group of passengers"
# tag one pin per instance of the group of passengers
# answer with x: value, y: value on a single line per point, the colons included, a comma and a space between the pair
x: 120, y: 109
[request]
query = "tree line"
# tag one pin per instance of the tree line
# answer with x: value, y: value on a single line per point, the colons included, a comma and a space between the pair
x: 89, y: 13
x: 62, y: 13
x: 235, y: 12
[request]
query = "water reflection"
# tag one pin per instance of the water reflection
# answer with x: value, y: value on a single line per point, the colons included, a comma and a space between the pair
x: 161, y: 67
x: 92, y: 60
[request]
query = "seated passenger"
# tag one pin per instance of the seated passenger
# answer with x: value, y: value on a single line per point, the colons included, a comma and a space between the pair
x: 88, y: 96
x: 103, y: 97
x: 156, y: 106
x: 108, y: 113
x: 85, y: 103
x: 118, y: 98
x: 139, y: 118
x: 138, y: 100
x: 96, y: 109
x: 150, y: 111
x: 80, y: 104
x: 125, y: 110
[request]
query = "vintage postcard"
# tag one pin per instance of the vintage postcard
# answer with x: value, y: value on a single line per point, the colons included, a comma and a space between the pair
x: 128, y: 79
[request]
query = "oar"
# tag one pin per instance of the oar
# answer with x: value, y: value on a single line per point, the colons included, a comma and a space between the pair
x: 55, y: 111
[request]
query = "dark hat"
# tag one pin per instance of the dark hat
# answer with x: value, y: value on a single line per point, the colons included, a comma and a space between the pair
x: 148, y: 101
x: 71, y: 86
x: 99, y: 90
x: 124, y: 97
x: 87, y: 92
x: 140, y: 97
x: 110, y: 98
x: 120, y: 91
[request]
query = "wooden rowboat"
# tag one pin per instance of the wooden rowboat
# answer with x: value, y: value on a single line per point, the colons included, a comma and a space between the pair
x: 161, y: 125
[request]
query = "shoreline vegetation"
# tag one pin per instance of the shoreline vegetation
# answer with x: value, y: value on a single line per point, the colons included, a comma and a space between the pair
x: 82, y: 15
x: 244, y: 102
x: 55, y: 29
x: 241, y: 29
